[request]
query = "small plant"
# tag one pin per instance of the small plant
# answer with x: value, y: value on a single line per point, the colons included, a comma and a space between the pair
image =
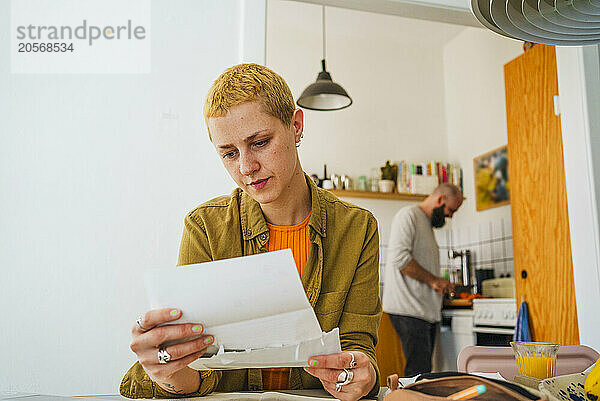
x: 389, y: 172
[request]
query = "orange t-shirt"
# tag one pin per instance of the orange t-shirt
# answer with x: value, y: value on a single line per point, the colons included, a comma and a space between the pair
x: 296, y: 238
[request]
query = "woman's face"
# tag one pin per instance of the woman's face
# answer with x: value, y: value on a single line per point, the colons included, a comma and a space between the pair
x: 257, y: 150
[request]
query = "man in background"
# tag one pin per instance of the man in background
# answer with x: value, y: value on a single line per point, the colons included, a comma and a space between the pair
x: 413, y: 290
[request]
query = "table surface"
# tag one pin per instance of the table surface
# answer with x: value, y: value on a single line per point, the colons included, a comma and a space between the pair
x: 292, y: 395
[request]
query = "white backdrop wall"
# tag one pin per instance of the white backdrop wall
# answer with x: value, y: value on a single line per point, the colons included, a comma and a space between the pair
x: 96, y: 175
x: 391, y: 67
x: 422, y: 91
x: 476, y: 108
x: 579, y: 90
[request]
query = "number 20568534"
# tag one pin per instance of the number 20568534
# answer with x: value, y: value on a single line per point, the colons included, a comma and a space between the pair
x: 45, y: 47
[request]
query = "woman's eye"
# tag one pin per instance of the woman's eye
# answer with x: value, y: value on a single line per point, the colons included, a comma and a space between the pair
x: 261, y: 143
x: 229, y: 155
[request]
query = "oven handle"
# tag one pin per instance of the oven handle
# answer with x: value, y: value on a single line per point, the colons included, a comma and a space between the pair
x: 493, y: 330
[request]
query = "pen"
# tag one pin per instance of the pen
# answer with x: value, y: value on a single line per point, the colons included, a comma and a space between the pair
x: 468, y: 393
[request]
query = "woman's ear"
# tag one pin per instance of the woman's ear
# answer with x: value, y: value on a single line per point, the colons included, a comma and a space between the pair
x: 298, y: 124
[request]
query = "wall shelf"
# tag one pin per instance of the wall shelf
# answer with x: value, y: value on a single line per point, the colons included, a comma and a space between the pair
x: 378, y: 195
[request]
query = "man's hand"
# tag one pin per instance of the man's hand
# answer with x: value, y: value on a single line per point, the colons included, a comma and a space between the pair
x: 414, y: 270
x: 442, y: 286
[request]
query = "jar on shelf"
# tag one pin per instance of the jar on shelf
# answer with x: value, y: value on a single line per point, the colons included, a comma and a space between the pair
x: 374, y: 184
x: 362, y: 183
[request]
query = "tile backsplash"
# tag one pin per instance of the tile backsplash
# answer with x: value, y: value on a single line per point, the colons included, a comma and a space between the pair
x: 490, y: 244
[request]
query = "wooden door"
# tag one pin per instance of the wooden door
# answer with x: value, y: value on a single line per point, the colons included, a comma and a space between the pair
x: 541, y: 240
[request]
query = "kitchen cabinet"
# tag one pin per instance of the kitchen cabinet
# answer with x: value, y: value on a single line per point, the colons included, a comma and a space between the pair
x: 390, y: 358
x: 541, y: 239
x: 456, y: 333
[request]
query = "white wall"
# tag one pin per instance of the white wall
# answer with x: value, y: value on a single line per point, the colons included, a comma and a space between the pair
x: 391, y: 67
x: 476, y: 108
x: 94, y: 185
x: 422, y: 90
x: 579, y: 90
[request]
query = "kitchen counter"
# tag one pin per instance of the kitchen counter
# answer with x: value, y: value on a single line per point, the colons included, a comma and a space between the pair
x: 458, y: 303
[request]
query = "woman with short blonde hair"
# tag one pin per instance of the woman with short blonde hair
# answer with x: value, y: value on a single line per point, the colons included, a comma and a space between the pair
x: 255, y: 129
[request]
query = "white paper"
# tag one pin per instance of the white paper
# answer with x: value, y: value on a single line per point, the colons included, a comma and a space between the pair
x: 252, y: 303
x: 295, y: 355
x: 405, y: 381
x: 495, y: 375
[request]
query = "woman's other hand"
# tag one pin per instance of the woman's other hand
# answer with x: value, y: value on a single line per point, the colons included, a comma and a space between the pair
x: 327, y: 368
x: 147, y: 339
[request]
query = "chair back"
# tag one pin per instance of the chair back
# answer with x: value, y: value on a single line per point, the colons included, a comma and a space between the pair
x: 474, y: 358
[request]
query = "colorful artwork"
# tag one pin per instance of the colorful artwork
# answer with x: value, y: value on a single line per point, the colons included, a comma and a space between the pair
x: 492, y: 186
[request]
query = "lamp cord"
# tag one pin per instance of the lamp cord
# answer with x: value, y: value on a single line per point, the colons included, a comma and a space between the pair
x: 323, y: 24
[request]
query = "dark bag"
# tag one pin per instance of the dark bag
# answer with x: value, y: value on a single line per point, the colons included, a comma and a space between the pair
x: 438, y: 386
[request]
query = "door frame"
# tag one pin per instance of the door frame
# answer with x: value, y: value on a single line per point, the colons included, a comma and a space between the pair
x: 579, y: 105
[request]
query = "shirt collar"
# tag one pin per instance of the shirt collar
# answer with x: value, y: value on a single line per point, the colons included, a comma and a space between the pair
x: 318, y: 217
x: 253, y: 219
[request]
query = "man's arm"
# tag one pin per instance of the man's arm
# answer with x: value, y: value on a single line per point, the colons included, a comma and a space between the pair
x: 415, y: 271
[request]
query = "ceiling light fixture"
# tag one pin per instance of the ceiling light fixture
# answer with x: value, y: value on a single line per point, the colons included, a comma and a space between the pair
x: 550, y: 22
x: 324, y: 94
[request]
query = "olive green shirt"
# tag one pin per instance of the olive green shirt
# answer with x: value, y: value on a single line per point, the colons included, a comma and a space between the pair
x: 341, y: 278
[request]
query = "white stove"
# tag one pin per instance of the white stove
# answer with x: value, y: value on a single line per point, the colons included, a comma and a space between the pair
x: 495, y: 312
x: 494, y: 320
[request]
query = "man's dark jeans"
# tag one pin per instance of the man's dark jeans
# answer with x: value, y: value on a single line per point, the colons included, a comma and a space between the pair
x: 418, y: 338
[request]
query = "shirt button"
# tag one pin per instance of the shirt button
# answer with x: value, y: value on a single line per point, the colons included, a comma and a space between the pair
x: 248, y: 233
x: 263, y: 236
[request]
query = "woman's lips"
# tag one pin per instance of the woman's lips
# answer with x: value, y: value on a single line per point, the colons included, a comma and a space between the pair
x: 259, y: 184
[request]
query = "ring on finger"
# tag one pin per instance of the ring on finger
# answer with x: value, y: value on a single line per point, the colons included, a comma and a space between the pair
x: 139, y: 323
x: 344, y: 378
x: 163, y: 356
x: 352, y: 362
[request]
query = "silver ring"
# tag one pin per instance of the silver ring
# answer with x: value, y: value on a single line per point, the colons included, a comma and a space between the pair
x: 163, y: 356
x: 344, y: 378
x: 139, y: 323
x: 352, y: 362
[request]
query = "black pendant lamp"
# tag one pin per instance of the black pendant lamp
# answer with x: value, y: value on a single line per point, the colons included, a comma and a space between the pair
x: 324, y: 94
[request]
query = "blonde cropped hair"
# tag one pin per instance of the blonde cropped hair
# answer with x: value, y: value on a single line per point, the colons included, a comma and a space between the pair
x: 247, y: 82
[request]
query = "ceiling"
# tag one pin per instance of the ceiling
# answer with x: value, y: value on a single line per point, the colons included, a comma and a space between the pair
x: 448, y: 11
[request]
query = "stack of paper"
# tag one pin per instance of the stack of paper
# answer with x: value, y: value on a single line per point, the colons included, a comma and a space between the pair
x: 254, y: 306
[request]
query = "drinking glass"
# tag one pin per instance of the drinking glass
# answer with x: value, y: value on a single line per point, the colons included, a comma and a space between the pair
x: 536, y: 359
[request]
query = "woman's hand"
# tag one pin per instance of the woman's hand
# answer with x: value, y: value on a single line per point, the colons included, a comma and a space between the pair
x: 327, y: 368
x: 173, y: 376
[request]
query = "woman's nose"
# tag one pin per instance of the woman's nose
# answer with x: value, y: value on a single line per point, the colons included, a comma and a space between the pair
x: 248, y: 163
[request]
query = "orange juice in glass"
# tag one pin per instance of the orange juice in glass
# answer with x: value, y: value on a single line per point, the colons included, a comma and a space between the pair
x: 536, y: 359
